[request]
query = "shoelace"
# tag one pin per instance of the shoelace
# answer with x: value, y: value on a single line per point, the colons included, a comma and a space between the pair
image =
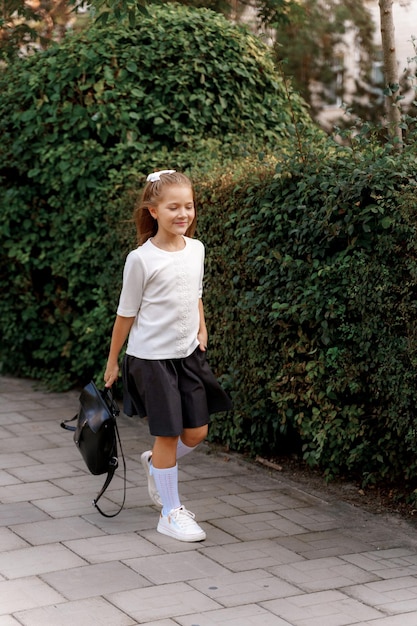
x: 183, y: 517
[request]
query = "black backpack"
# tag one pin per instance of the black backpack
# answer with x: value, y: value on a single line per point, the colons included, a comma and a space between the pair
x: 96, y: 436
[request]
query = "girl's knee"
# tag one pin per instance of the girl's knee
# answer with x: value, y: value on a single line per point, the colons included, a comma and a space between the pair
x: 191, y: 437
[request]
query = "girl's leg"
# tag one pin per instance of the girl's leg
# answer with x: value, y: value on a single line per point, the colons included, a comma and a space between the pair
x: 165, y: 472
x: 175, y: 521
x: 164, y: 452
x: 189, y: 440
x: 163, y: 456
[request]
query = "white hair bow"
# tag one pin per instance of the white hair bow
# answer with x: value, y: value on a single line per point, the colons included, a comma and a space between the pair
x: 152, y: 178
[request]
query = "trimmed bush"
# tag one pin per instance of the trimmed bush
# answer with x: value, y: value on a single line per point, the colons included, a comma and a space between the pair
x: 314, y: 268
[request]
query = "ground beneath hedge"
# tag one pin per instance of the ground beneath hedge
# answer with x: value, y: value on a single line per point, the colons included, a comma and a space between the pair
x: 377, y: 500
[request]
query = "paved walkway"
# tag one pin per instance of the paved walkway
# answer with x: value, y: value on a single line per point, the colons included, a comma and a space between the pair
x: 275, y: 555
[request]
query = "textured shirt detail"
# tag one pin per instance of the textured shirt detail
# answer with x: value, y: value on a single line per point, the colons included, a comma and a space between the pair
x: 161, y: 290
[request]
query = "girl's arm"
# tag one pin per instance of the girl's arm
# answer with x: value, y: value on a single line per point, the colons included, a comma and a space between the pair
x: 121, y: 329
x: 202, y: 335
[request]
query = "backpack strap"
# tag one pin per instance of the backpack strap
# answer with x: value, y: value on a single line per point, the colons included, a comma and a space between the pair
x: 64, y: 424
x: 112, y: 468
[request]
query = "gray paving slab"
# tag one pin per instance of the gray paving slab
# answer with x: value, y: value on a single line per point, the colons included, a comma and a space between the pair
x: 95, y: 611
x: 275, y: 554
x: 323, y: 608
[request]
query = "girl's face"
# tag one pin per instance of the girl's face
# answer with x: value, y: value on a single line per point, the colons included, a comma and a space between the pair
x: 174, y: 211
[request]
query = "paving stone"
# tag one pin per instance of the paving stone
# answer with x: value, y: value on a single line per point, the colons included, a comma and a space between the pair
x: 82, y: 613
x: 10, y: 541
x: 113, y: 548
x: 54, y: 415
x: 190, y: 469
x: 324, y: 608
x: 396, y: 595
x: 30, y: 427
x: 405, y: 619
x: 19, y: 512
x: 25, y: 444
x: 258, y: 479
x: 37, y: 560
x: 271, y: 500
x: 12, y: 418
x: 209, y: 487
x: 162, y: 601
x: 15, y: 404
x: 8, y: 620
x: 23, y: 492
x: 244, y: 587
x: 322, y: 574
x: 5, y: 433
x: 16, y: 459
x: 95, y: 483
x: 59, y: 439
x: 379, y: 536
x: 44, y: 471
x: 94, y: 580
x: 171, y: 568
x: 82, y: 483
x: 162, y: 622
x: 323, y: 544
x: 258, y: 526
x: 131, y: 520
x: 51, y: 531
x: 251, y: 555
x: 26, y: 593
x: 66, y: 506
x: 312, y: 518
x: 54, y: 455
x: 390, y: 563
x: 6, y: 478
x: 67, y: 401
x: 248, y: 615
x: 210, y: 508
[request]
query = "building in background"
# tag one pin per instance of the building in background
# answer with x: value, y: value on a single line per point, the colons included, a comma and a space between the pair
x: 347, y: 83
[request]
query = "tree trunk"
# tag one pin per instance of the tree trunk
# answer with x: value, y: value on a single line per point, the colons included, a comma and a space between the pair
x: 392, y: 85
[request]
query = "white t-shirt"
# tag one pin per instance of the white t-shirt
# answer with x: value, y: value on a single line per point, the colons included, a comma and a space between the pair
x: 161, y: 290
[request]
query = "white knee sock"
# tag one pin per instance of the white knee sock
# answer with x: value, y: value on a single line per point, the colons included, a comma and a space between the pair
x: 182, y: 449
x: 166, y: 481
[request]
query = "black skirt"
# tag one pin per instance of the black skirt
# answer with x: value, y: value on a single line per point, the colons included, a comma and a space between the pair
x: 173, y: 393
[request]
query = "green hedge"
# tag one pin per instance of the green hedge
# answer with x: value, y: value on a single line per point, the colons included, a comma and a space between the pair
x: 312, y: 301
x: 311, y: 275
x: 81, y: 123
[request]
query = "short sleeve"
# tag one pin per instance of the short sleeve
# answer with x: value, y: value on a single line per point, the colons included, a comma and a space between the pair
x: 134, y: 278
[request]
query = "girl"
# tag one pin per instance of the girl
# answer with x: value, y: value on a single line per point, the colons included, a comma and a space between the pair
x: 165, y: 374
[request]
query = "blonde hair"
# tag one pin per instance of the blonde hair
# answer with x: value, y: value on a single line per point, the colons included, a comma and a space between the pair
x: 146, y: 225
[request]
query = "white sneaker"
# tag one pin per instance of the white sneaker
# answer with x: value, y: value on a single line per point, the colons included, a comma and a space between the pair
x: 180, y: 524
x: 152, y: 490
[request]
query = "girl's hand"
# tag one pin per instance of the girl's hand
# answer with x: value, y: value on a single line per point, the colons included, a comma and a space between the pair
x: 202, y: 335
x: 202, y: 339
x: 111, y: 374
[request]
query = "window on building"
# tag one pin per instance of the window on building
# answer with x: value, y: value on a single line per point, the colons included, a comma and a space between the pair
x: 333, y: 89
x: 377, y: 73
